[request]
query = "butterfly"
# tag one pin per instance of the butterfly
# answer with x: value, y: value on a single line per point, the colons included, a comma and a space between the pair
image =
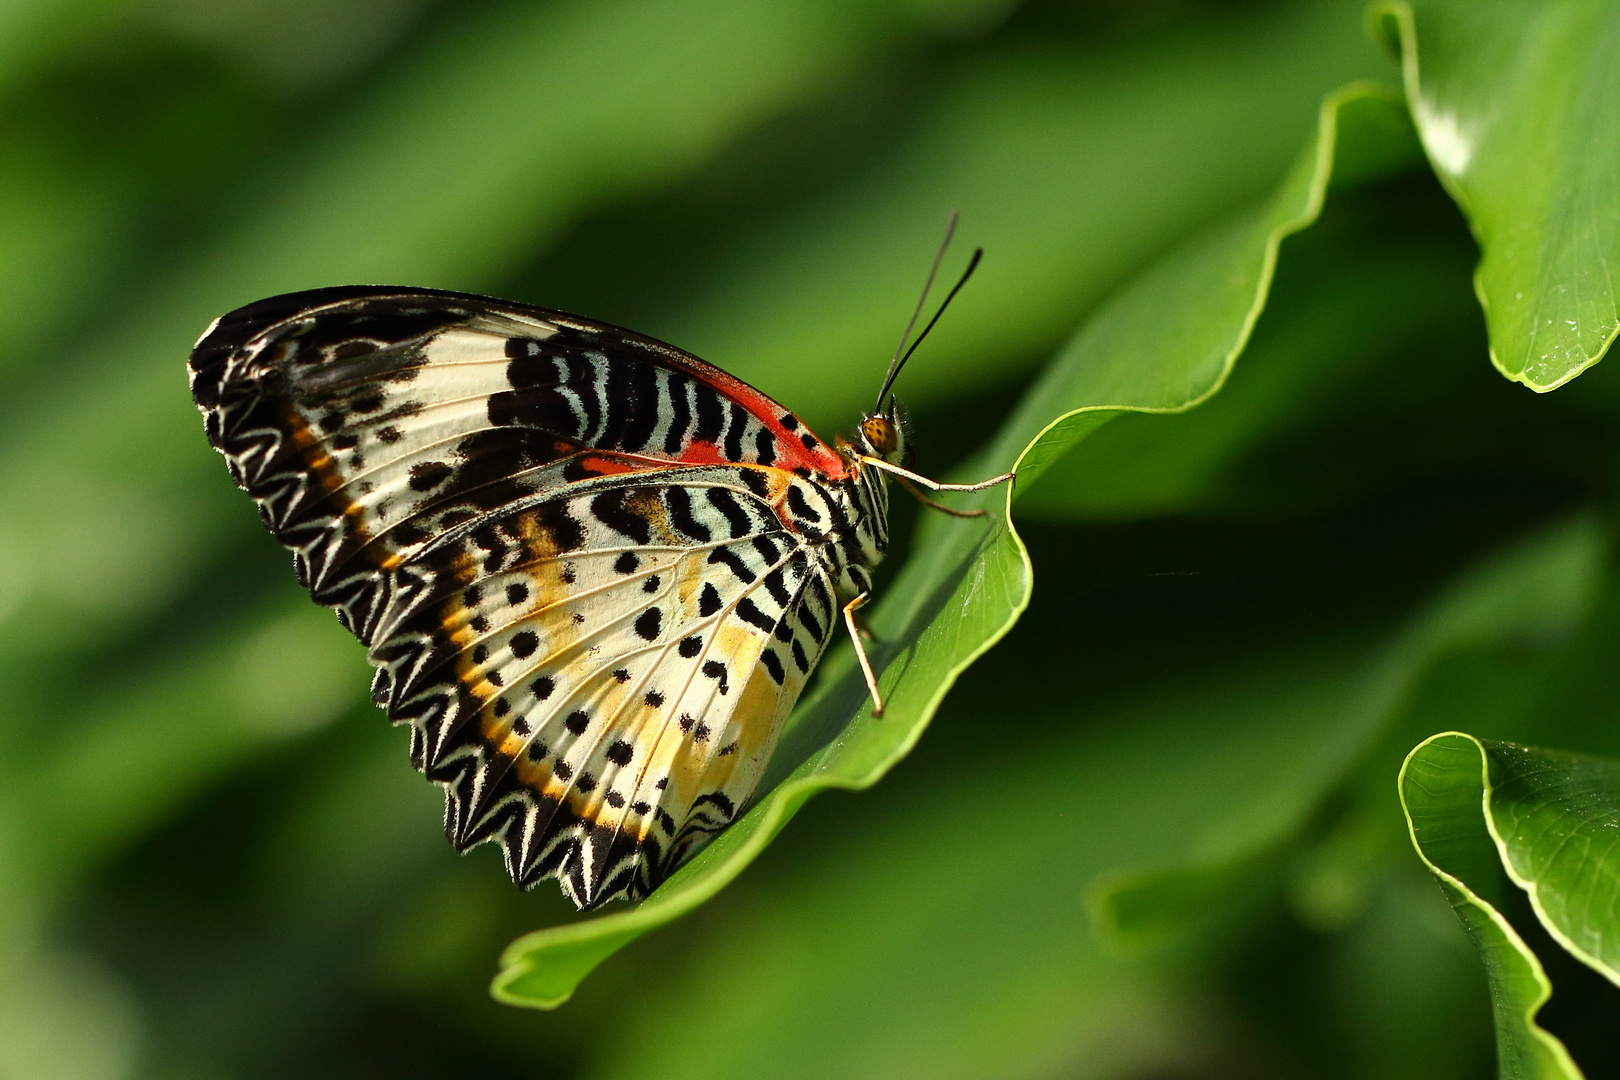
x: 592, y: 571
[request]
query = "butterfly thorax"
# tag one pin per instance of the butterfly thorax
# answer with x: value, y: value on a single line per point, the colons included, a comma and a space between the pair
x: 861, y: 500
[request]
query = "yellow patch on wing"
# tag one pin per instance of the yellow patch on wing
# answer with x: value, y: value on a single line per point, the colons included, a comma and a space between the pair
x: 324, y: 468
x: 777, y: 482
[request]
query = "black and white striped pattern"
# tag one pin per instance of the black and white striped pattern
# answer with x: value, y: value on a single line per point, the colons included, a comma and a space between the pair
x: 593, y: 572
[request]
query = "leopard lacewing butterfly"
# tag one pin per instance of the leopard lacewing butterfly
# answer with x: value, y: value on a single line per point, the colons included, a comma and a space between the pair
x: 593, y: 572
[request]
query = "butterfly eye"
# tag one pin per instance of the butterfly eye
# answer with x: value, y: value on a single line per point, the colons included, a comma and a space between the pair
x: 879, y: 434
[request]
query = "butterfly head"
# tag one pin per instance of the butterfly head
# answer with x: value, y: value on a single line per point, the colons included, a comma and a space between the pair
x: 883, y: 435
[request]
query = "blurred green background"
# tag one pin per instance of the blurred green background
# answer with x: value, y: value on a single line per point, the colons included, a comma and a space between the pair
x: 215, y: 861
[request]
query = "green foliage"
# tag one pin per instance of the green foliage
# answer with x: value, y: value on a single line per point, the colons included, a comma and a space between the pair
x: 1513, y: 102
x: 1277, y: 521
x: 1546, y: 818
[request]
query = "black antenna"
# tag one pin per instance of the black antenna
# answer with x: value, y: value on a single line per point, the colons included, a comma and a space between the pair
x: 894, y: 369
x: 939, y: 257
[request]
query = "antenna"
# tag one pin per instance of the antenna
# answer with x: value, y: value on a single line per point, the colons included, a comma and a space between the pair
x: 894, y: 368
x: 894, y: 364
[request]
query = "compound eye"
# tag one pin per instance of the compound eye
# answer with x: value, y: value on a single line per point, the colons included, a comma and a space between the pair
x: 879, y: 434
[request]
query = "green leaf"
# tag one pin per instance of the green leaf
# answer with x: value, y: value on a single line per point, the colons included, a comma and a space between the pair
x: 1348, y: 309
x: 1476, y: 808
x: 1553, y: 816
x: 1168, y: 343
x: 1519, y: 109
x: 1165, y: 344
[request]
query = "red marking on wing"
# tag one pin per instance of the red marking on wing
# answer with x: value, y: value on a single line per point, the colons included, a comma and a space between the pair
x: 792, y: 450
x: 606, y: 463
x: 703, y: 453
x: 790, y: 447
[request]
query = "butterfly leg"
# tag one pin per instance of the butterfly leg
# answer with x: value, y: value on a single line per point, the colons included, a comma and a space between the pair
x: 935, y: 485
x: 934, y: 504
x: 860, y: 651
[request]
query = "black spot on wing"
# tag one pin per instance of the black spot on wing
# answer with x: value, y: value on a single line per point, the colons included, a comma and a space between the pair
x: 680, y: 414
x: 566, y: 531
x: 369, y: 400
x: 808, y: 617
x: 800, y: 505
x: 716, y: 670
x: 720, y: 803
x: 679, y: 502
x: 767, y: 548
x: 755, y: 481
x: 612, y: 509
x: 581, y: 379
x: 640, y: 408
x: 615, y: 399
x: 649, y: 623
x: 749, y: 612
x: 427, y: 475
x: 736, y: 426
x: 491, y: 465
x: 724, y: 556
x: 725, y: 502
x: 711, y: 414
x: 536, y: 373
x: 776, y: 584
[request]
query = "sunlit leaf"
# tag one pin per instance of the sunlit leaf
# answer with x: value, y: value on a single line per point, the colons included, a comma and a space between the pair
x: 1476, y: 808
x: 1519, y: 109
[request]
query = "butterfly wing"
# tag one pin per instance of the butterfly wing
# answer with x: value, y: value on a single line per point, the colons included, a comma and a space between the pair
x: 598, y: 679
x: 566, y: 546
